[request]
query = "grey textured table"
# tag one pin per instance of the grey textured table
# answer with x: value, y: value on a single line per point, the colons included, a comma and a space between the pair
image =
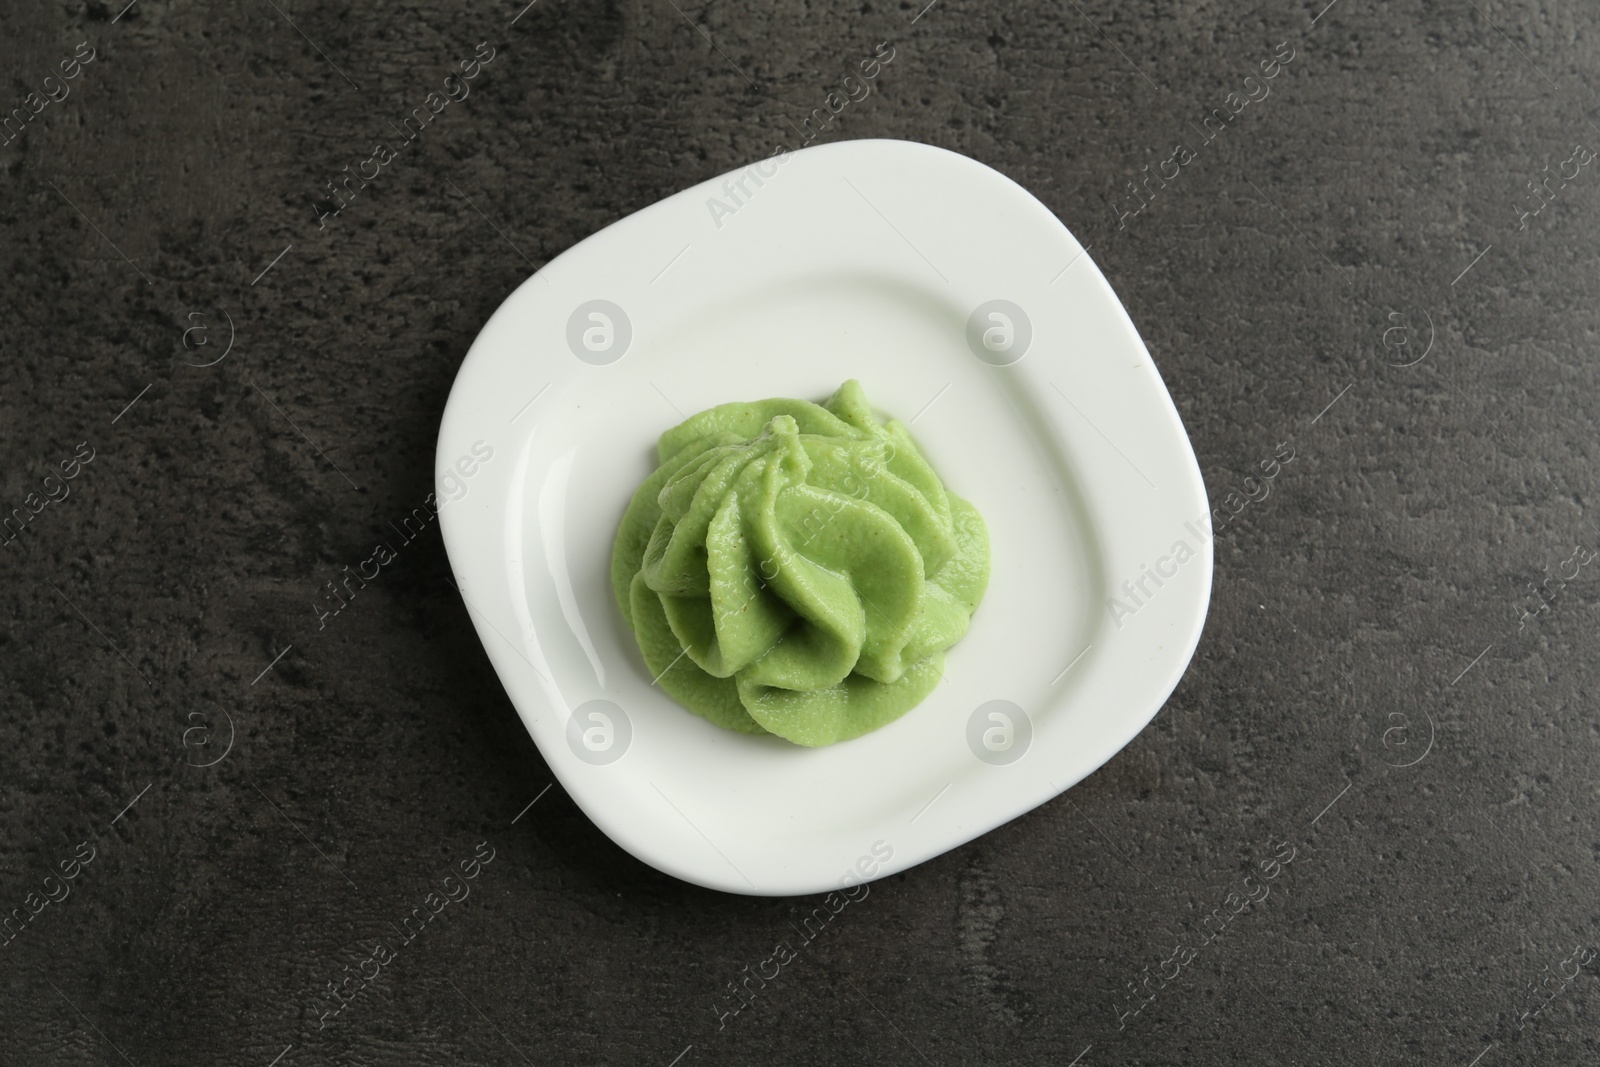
x: 1389, y: 724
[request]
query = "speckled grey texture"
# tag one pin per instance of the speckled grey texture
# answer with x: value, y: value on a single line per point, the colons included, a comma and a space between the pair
x: 1373, y: 610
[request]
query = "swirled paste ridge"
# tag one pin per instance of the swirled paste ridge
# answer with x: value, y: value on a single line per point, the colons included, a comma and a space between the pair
x: 797, y: 568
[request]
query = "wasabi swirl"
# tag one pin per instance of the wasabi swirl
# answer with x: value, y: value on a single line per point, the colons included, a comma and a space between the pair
x: 797, y: 568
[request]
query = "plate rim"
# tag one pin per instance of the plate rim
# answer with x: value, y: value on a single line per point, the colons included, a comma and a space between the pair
x: 1190, y: 613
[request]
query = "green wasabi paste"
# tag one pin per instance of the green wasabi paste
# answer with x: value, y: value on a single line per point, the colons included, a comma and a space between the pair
x: 797, y: 568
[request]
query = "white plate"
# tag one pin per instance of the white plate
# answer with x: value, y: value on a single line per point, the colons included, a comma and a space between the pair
x: 863, y: 259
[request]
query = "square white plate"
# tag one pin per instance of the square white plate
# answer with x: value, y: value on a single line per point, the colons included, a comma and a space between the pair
x: 882, y: 261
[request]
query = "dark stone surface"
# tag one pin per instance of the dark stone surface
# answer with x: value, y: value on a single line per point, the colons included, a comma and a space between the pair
x: 1368, y: 608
